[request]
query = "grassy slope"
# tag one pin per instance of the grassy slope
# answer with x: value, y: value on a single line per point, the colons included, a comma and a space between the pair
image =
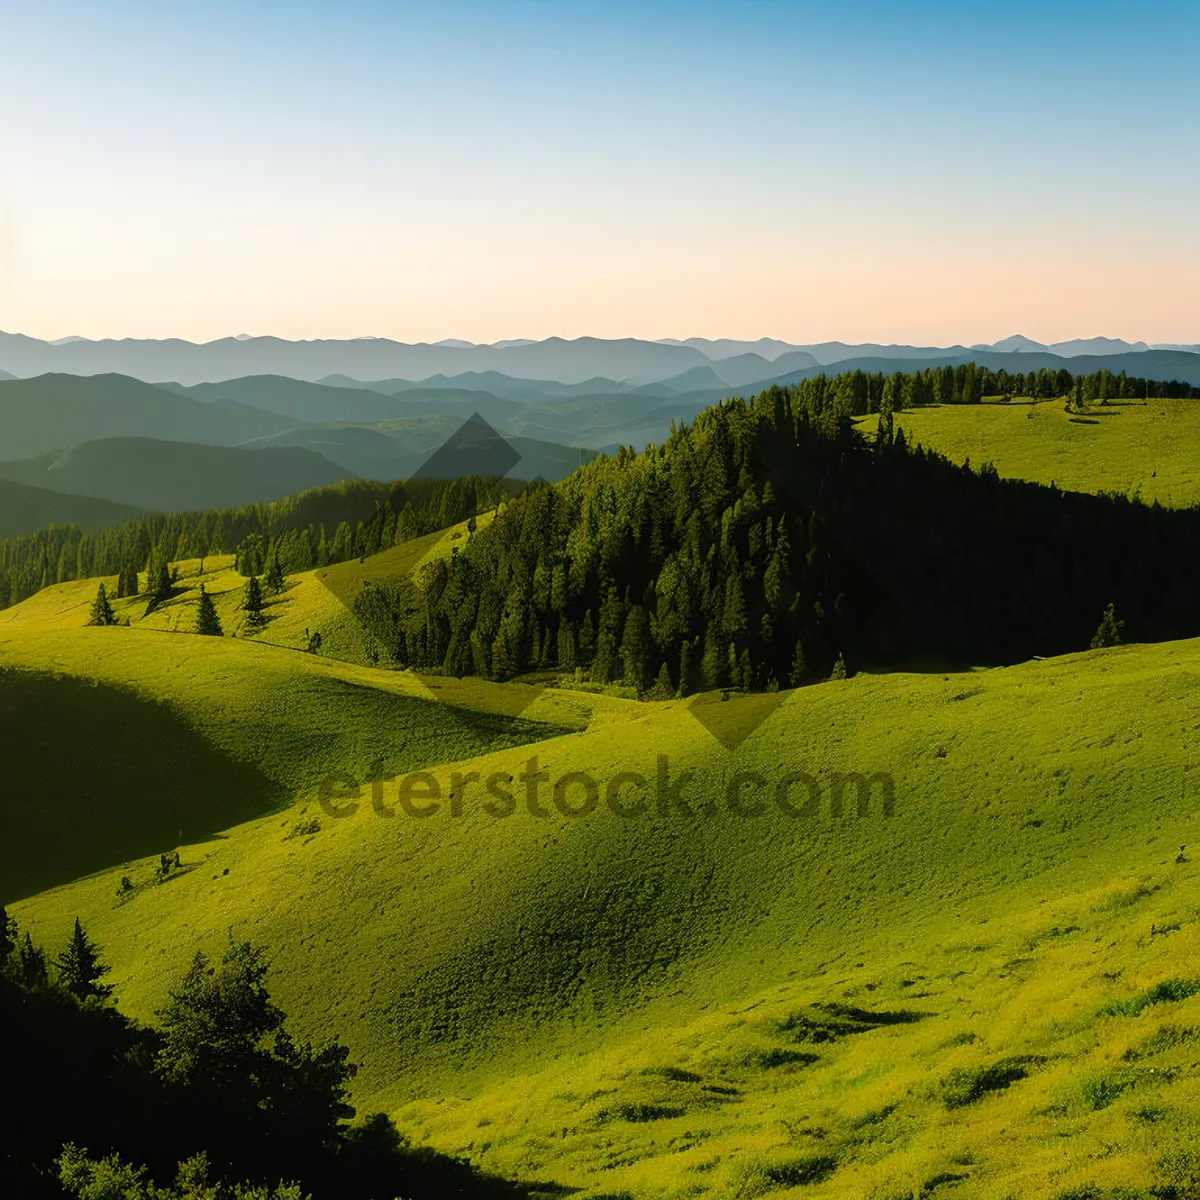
x: 613, y: 1003
x: 1126, y: 447
x: 121, y: 741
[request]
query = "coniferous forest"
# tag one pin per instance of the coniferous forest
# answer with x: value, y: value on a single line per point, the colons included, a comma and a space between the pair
x: 768, y: 539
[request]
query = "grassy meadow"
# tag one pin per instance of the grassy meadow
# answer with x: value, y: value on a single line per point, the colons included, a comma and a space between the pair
x: 1132, y: 447
x: 991, y: 990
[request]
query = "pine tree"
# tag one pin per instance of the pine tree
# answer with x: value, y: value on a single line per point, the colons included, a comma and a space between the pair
x: 102, y: 613
x: 566, y: 646
x: 159, y: 582
x: 799, y: 665
x: 711, y: 667
x: 587, y: 640
x: 31, y: 965
x: 1109, y: 631
x: 252, y: 604
x: 839, y: 669
x: 80, y: 969
x: 635, y: 648
x: 663, y: 688
x: 276, y: 580
x: 685, y: 667
x: 207, y: 622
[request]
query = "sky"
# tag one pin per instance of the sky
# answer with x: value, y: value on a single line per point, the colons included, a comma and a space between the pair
x: 928, y: 173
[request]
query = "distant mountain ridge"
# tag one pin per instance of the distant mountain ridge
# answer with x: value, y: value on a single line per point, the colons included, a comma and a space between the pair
x: 164, y: 476
x: 24, y: 509
x: 567, y: 362
x: 55, y: 411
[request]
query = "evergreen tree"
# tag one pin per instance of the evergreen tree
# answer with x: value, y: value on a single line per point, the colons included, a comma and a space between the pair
x: 711, y: 668
x: 663, y: 688
x: 252, y: 603
x: 839, y: 669
x: 159, y: 582
x: 685, y: 667
x: 799, y: 665
x: 635, y: 648
x: 1109, y: 631
x: 221, y: 1034
x: 276, y: 580
x: 80, y: 969
x: 31, y: 965
x: 566, y: 646
x: 207, y: 622
x: 102, y: 613
x: 587, y: 640
x: 251, y: 555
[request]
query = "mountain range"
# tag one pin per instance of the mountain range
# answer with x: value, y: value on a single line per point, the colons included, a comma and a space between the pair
x: 627, y: 360
x: 23, y: 509
x: 175, y: 476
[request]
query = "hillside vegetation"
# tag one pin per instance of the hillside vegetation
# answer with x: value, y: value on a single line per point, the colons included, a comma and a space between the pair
x: 880, y: 937
x: 987, y: 986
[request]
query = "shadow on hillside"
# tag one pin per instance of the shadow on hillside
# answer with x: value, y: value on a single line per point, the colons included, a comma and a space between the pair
x: 95, y: 776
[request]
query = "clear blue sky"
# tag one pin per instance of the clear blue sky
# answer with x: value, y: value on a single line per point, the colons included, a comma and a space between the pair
x: 901, y: 172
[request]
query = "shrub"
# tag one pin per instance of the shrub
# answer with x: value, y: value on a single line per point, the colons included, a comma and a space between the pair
x: 1169, y: 991
x: 965, y: 1085
x: 1099, y: 1091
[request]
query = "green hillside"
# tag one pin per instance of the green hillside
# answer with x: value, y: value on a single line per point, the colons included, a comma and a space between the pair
x: 55, y: 411
x: 24, y: 509
x: 181, y: 736
x: 1140, y: 448
x: 977, y: 986
x: 883, y: 937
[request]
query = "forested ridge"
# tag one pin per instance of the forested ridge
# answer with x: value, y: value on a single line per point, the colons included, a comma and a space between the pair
x: 752, y: 550
x: 312, y: 529
x: 769, y: 539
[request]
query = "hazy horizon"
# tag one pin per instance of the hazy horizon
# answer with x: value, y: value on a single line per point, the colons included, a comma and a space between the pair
x: 450, y: 340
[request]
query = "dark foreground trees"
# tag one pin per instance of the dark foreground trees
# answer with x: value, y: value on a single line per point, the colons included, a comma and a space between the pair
x: 218, y: 1101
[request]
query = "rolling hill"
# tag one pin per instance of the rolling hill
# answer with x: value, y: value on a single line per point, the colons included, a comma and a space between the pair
x: 401, y: 448
x: 24, y: 509
x: 55, y: 411
x: 1137, y: 448
x: 984, y: 988
x: 167, y: 476
x: 299, y: 399
x: 667, y: 975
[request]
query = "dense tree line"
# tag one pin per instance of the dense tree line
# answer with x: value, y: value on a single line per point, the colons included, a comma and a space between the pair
x: 313, y: 529
x: 218, y: 1095
x: 758, y: 545
x: 857, y: 393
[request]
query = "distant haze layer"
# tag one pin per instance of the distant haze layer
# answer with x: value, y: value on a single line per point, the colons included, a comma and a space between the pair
x: 698, y: 363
